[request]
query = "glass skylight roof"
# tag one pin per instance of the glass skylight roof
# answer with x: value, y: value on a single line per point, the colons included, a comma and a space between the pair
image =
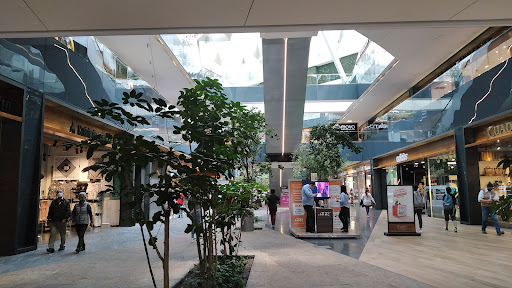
x: 235, y: 59
x: 335, y: 58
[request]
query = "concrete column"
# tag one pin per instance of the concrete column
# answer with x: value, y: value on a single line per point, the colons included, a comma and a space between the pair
x: 285, y: 64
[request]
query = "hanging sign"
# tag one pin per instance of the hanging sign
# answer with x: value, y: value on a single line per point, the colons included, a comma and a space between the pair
x: 346, y: 127
x: 401, y: 219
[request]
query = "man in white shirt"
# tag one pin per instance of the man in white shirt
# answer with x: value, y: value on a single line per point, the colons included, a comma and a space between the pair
x: 344, y: 208
x: 308, y: 200
x: 486, y: 197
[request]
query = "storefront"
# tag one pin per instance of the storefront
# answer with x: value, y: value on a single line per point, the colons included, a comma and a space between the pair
x: 357, y: 178
x: 62, y: 165
x: 30, y: 176
x: 486, y: 144
x: 431, y: 165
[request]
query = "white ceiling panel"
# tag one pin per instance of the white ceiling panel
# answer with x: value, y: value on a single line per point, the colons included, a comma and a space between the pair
x: 136, y: 14
x: 151, y: 60
x: 419, y: 52
x: 271, y: 12
x: 15, y: 15
x: 486, y: 9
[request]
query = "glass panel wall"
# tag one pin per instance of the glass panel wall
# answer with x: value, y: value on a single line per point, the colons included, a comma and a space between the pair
x: 449, y: 101
x: 490, y: 155
x: 79, y: 70
x: 442, y: 173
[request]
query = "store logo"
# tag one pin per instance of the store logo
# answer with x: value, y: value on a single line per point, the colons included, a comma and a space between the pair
x: 84, y: 131
x: 376, y: 126
x: 402, y: 157
x: 347, y: 127
x: 493, y: 131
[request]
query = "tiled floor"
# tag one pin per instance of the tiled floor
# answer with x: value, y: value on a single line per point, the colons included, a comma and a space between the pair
x: 350, y: 247
x: 115, y: 258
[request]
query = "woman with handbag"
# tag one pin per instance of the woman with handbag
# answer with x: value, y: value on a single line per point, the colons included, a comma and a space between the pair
x: 367, y: 201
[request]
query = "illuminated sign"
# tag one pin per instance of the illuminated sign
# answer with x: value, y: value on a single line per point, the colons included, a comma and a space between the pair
x: 376, y: 126
x: 402, y: 157
x: 346, y: 127
x: 499, y: 129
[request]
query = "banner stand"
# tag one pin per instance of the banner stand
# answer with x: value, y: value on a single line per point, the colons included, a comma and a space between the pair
x: 401, y: 217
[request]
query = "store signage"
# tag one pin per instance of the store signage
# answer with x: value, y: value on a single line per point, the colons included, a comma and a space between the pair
x: 346, y: 127
x: 499, y: 129
x: 376, y: 126
x: 84, y: 131
x: 402, y: 157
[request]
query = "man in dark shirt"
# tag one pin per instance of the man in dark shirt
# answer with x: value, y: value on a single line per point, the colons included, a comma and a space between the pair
x: 272, y: 201
x: 57, y: 219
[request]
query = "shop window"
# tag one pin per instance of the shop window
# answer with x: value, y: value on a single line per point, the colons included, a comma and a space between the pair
x: 442, y: 173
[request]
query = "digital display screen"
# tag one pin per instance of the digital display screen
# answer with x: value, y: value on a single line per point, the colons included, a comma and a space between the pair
x: 322, y: 189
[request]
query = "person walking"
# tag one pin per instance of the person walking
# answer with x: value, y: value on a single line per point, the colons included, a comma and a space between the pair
x: 272, y: 201
x: 419, y: 204
x: 82, y: 217
x: 449, y: 201
x: 367, y: 201
x: 308, y: 200
x: 58, y: 215
x: 181, y: 202
x: 344, y: 208
x: 486, y: 197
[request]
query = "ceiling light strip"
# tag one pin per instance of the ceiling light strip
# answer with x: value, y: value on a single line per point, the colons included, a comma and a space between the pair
x: 72, y: 68
x: 284, y: 92
x: 490, y: 88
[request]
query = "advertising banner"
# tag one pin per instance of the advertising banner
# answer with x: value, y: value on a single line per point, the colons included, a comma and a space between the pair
x: 297, y: 213
x: 335, y: 186
x: 400, y: 209
x: 284, y: 200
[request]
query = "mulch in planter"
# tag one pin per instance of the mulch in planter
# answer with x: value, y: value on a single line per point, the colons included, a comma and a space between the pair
x: 192, y: 279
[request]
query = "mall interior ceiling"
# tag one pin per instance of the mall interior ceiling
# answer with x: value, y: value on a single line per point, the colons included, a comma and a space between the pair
x: 421, y: 36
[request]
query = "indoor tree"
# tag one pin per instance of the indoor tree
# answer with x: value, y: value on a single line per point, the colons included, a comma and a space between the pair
x: 322, y: 154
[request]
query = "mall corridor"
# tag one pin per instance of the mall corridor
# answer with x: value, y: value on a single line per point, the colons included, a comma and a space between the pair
x: 115, y: 258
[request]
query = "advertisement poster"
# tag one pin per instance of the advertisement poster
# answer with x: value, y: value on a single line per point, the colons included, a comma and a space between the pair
x: 400, y: 204
x: 334, y: 204
x: 297, y: 213
x: 284, y: 200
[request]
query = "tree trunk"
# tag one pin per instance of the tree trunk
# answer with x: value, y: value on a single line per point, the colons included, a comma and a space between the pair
x: 147, y: 255
x: 166, y: 251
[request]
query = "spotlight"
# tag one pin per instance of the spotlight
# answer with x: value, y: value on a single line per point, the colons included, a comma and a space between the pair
x: 67, y: 148
x: 81, y: 149
x: 76, y: 150
x: 55, y: 143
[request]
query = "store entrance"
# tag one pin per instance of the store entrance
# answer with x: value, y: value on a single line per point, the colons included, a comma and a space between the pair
x: 61, y: 168
x: 412, y: 173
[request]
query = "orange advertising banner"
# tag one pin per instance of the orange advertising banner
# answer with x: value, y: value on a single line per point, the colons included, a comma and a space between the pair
x: 297, y: 213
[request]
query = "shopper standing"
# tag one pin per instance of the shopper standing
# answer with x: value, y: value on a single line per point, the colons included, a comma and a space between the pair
x: 81, y: 216
x: 272, y: 201
x: 486, y: 197
x: 344, y: 208
x: 58, y: 215
x: 308, y: 200
x: 367, y: 201
x: 449, y: 201
x: 419, y: 204
x: 181, y: 202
